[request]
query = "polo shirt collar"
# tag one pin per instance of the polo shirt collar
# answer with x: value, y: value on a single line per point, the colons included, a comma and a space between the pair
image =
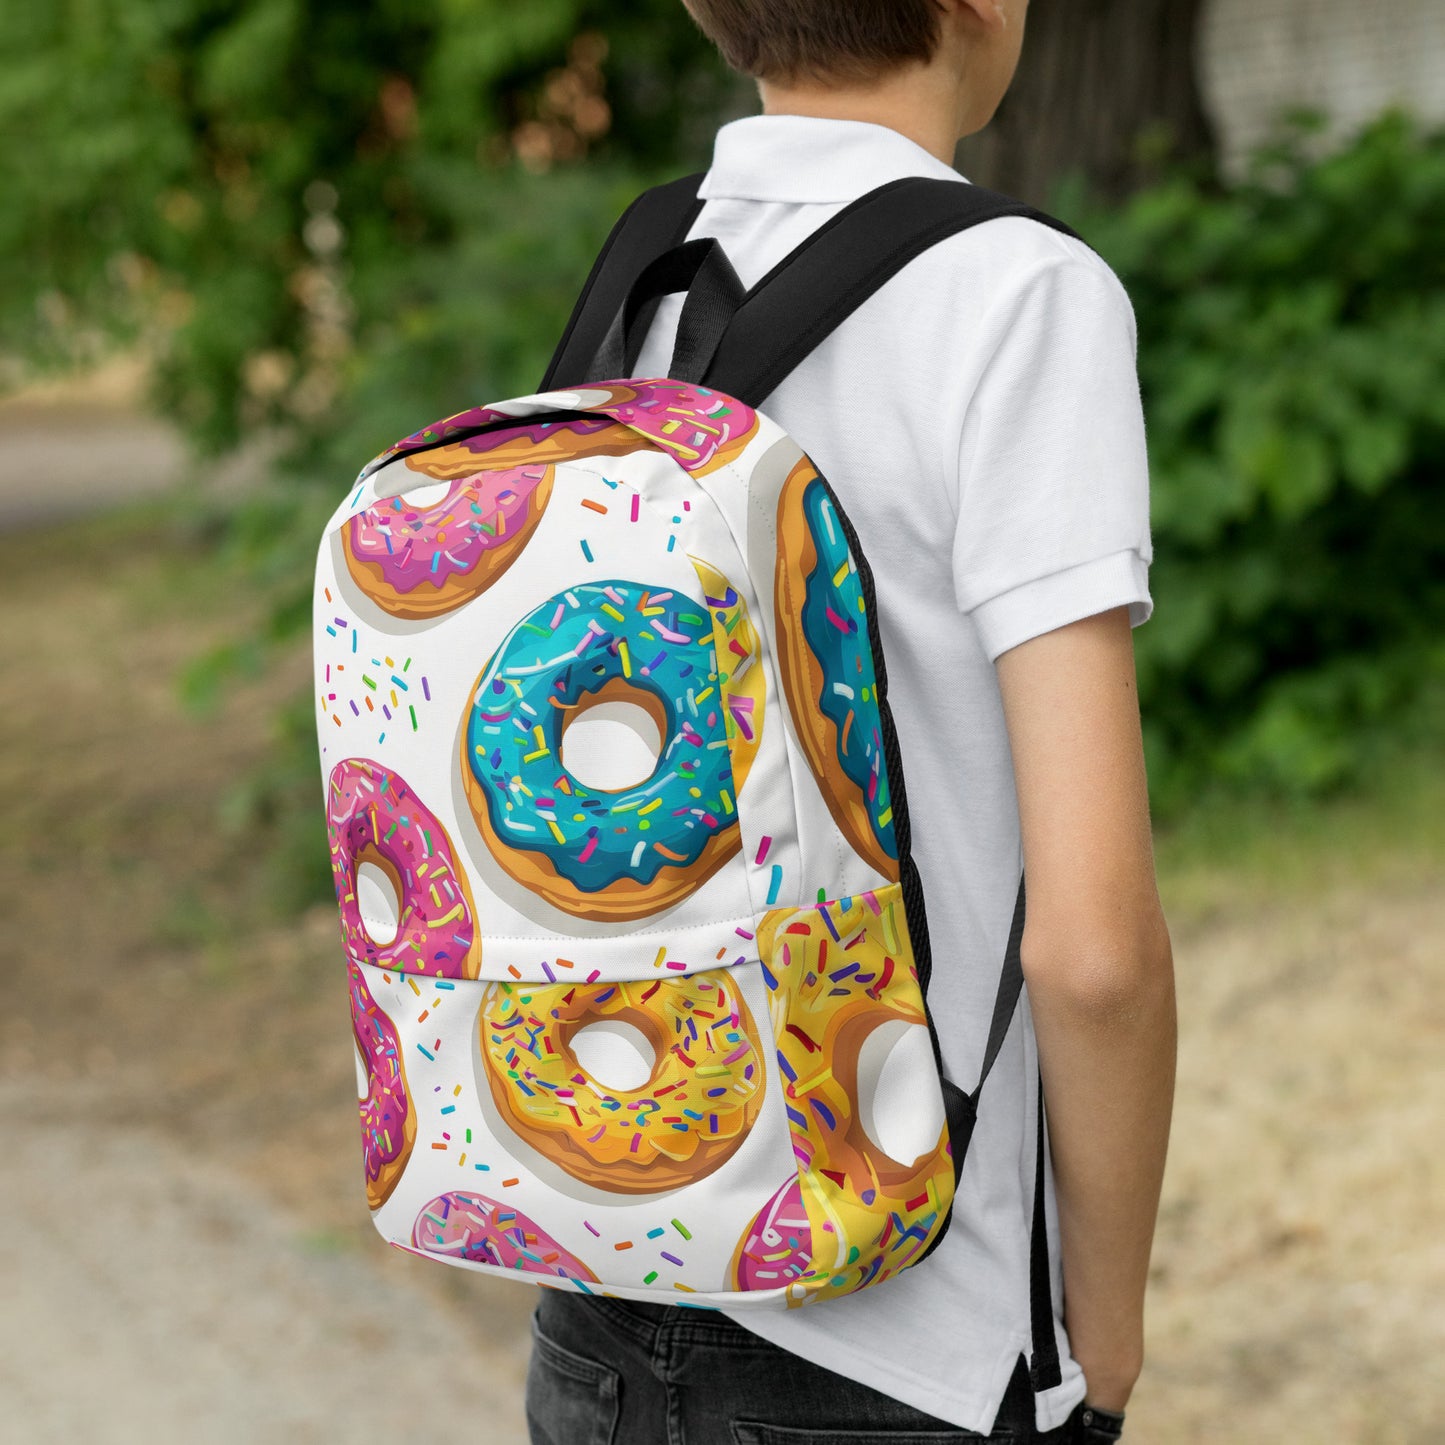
x: 802, y: 158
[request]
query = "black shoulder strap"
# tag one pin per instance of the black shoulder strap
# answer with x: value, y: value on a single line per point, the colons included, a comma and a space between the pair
x: 813, y: 290
x: 1010, y: 986
x: 959, y: 1105
x: 1044, y: 1365
x: 801, y: 300
x: 655, y: 222
x: 962, y: 1112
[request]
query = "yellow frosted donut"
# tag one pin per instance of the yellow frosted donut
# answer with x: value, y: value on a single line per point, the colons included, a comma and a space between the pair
x: 837, y: 972
x: 680, y: 1123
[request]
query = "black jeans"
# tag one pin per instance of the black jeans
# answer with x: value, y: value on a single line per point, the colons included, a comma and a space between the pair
x: 605, y: 1372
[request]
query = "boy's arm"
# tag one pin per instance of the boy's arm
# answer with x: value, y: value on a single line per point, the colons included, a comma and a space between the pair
x: 1097, y: 960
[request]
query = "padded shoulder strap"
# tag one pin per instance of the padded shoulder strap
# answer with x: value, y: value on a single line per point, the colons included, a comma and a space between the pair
x: 821, y: 283
x: 655, y: 222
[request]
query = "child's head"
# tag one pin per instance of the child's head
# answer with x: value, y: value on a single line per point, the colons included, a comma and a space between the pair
x: 968, y: 47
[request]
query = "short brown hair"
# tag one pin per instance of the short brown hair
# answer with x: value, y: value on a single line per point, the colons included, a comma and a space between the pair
x: 789, y: 40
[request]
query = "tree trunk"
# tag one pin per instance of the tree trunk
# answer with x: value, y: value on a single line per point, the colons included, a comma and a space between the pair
x: 1106, y: 89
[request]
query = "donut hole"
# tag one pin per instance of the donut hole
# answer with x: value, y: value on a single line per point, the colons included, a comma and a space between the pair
x: 614, y: 1053
x: 900, y: 1119
x: 612, y: 738
x: 378, y: 900
x: 363, y: 1081
x: 429, y: 494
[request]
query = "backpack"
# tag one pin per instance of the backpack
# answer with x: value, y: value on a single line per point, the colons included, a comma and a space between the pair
x: 637, y: 949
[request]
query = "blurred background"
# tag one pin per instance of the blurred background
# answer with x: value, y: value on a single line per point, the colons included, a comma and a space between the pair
x: 245, y: 244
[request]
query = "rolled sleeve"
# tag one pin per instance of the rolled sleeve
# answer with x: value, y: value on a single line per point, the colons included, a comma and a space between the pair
x: 1053, y: 510
x: 1088, y: 588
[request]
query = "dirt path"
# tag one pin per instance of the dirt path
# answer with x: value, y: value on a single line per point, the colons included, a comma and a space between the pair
x: 78, y: 442
x: 82, y: 444
x: 51, y: 468
x: 185, y: 1252
x: 151, y: 1297
x: 1299, y: 1274
x: 182, y: 1221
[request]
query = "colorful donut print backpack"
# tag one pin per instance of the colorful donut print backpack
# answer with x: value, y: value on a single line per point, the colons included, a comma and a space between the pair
x: 638, y: 955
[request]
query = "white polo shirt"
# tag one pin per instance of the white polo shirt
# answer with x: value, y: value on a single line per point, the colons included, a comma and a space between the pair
x: 979, y: 418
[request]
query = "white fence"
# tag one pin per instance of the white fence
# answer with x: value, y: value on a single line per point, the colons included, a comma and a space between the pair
x: 1348, y: 58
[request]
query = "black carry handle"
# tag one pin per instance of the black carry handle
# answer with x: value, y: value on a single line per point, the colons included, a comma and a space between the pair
x: 657, y: 220
x: 714, y: 293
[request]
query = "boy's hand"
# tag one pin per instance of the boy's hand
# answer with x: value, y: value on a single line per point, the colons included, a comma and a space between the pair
x: 1097, y: 960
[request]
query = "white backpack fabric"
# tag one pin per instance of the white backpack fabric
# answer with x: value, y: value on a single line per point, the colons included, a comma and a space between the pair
x: 638, y: 958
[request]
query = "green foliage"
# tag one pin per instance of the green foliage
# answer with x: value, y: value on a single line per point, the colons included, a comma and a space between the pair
x: 1291, y: 350
x: 275, y: 193
x: 332, y: 222
x: 328, y: 222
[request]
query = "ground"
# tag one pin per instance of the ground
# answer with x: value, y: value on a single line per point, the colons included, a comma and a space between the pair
x: 183, y: 1238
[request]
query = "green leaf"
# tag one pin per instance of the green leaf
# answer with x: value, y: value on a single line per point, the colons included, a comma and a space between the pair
x: 1373, y: 449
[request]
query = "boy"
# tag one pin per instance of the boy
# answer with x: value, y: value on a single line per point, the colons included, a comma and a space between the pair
x: 979, y: 418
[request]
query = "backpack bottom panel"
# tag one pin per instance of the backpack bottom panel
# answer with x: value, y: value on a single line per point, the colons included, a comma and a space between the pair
x: 761, y: 1134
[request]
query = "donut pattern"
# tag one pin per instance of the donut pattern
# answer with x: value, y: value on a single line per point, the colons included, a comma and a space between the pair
x: 682, y: 1122
x: 700, y: 429
x: 836, y: 972
x: 528, y: 444
x: 649, y: 1078
x: 460, y: 441
x: 595, y: 854
x: 419, y: 559
x: 388, y: 1121
x: 478, y: 1230
x: 776, y: 1249
x: 741, y: 680
x: 373, y: 817
x: 828, y: 667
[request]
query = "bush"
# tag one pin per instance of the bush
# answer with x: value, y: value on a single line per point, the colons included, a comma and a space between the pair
x: 1292, y: 359
x: 271, y: 192
x: 324, y: 222
x: 1291, y: 355
x: 329, y: 221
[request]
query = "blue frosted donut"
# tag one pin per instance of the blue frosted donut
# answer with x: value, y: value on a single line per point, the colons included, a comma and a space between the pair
x: 828, y: 668
x: 594, y: 853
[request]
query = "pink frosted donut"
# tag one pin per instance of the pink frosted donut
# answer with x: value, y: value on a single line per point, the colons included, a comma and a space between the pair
x: 777, y: 1247
x: 418, y: 559
x: 510, y: 446
x: 702, y: 429
x: 373, y: 818
x: 388, y: 1121
x: 479, y: 1230
x: 529, y: 444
